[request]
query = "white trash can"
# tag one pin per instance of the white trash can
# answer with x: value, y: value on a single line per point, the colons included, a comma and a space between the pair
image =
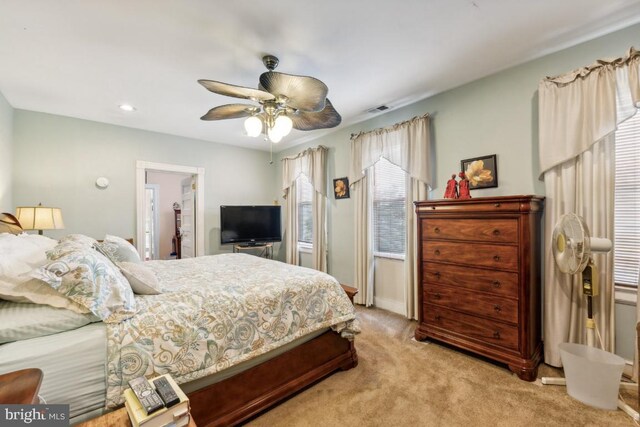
x: 593, y: 375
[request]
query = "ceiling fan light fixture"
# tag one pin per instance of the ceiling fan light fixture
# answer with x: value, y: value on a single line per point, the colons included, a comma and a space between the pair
x: 274, y: 135
x: 283, y: 125
x: 286, y: 101
x: 253, y: 126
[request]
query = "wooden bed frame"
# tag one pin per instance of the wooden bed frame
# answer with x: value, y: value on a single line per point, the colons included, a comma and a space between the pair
x: 236, y: 399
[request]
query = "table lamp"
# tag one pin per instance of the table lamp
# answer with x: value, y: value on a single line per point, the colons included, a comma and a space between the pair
x: 39, y: 218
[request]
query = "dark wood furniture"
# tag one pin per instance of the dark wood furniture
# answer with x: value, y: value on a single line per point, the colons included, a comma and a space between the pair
x: 236, y: 399
x: 350, y: 291
x: 117, y: 418
x: 480, y: 275
x: 177, y: 240
x: 20, y: 387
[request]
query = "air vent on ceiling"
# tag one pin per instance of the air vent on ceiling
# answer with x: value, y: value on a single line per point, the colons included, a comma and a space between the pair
x: 377, y: 109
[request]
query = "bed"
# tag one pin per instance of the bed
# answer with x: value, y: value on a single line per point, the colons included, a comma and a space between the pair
x: 238, y: 332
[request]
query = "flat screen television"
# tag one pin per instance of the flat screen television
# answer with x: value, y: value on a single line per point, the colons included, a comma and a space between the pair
x: 250, y: 224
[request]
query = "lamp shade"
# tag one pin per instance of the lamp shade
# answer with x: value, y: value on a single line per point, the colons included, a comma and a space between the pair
x: 39, y: 218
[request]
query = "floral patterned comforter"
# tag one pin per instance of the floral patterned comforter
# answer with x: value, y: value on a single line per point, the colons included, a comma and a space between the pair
x: 217, y: 311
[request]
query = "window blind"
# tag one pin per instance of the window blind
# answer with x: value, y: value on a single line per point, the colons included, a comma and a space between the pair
x: 389, y: 219
x: 626, y: 259
x: 304, y: 191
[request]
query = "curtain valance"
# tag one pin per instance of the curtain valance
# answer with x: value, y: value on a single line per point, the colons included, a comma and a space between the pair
x: 310, y: 162
x: 405, y: 144
x: 579, y: 108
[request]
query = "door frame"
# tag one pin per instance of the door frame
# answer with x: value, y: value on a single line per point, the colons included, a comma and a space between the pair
x: 156, y: 221
x: 141, y: 168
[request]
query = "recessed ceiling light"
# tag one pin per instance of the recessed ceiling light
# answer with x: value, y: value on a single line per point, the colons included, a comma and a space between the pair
x: 127, y: 107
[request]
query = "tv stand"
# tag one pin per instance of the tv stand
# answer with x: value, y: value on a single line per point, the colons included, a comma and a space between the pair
x: 264, y: 250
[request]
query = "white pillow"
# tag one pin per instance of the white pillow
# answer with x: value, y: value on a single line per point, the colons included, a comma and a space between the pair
x: 118, y: 249
x: 21, y: 253
x: 142, y: 279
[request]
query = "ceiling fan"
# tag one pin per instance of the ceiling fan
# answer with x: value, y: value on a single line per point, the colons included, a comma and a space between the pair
x: 285, y: 101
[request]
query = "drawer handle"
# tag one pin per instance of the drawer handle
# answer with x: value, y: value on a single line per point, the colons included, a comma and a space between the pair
x: 433, y: 207
x: 436, y: 230
x: 496, y: 258
x: 496, y: 284
x: 437, y: 274
x: 496, y: 334
x: 497, y: 308
x: 437, y: 295
x: 497, y: 205
x: 496, y: 232
x: 437, y: 252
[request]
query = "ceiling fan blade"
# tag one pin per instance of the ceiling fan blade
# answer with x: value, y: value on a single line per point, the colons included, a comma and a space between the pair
x: 236, y: 91
x: 302, y: 92
x: 327, y: 118
x: 230, y: 111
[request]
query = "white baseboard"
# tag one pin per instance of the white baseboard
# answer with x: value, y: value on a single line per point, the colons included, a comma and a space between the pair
x: 390, y: 305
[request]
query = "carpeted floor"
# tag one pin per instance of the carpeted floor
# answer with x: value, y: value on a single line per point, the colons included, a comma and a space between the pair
x: 401, y: 382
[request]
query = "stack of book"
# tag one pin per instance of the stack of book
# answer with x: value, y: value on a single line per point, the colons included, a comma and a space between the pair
x: 177, y: 415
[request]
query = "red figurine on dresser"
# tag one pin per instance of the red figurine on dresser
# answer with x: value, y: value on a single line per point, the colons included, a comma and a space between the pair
x: 452, y: 188
x: 464, y: 187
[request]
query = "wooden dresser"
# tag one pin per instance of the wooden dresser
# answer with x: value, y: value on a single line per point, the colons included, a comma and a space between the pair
x: 480, y: 275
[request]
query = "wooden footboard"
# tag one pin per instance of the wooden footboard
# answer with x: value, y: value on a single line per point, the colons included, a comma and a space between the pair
x: 242, y: 396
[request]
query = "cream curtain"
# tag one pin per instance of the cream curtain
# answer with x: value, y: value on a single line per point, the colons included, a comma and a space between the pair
x: 312, y: 162
x: 364, y: 242
x: 416, y: 190
x: 291, y: 225
x: 408, y: 146
x: 578, y: 113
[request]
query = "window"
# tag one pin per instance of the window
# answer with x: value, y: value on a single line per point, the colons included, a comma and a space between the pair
x: 627, y: 203
x: 304, y: 191
x: 389, y: 223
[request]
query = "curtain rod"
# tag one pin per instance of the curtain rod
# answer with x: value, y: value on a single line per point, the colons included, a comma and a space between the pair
x: 302, y: 153
x: 583, y: 72
x: 389, y: 128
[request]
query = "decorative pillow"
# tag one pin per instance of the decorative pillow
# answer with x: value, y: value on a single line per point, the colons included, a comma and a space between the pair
x: 25, y: 321
x: 69, y: 243
x: 118, y: 249
x: 26, y: 289
x: 19, y: 255
x: 91, y: 280
x: 142, y: 279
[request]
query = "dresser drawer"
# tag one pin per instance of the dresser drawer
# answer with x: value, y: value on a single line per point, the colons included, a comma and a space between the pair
x: 492, y: 306
x: 486, y: 230
x: 477, y: 328
x: 500, y: 283
x: 479, y: 254
x: 469, y: 206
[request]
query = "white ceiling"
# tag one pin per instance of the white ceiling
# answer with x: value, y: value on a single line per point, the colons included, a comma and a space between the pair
x: 84, y: 58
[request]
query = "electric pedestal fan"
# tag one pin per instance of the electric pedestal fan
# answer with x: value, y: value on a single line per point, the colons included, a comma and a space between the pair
x: 572, y: 247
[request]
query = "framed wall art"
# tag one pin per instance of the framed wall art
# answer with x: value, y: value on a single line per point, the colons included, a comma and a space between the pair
x: 482, y: 172
x: 341, y: 188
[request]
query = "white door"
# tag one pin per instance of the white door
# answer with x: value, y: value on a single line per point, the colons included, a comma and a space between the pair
x: 151, y: 223
x: 187, y: 223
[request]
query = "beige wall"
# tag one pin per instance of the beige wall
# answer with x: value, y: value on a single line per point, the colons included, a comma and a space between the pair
x: 169, y: 192
x: 57, y: 160
x: 497, y: 114
x: 6, y: 154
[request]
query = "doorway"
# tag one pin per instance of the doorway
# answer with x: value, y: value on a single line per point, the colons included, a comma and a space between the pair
x: 157, y: 221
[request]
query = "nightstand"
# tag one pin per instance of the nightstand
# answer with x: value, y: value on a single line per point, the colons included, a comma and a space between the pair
x: 20, y: 387
x: 117, y: 418
x: 351, y: 291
